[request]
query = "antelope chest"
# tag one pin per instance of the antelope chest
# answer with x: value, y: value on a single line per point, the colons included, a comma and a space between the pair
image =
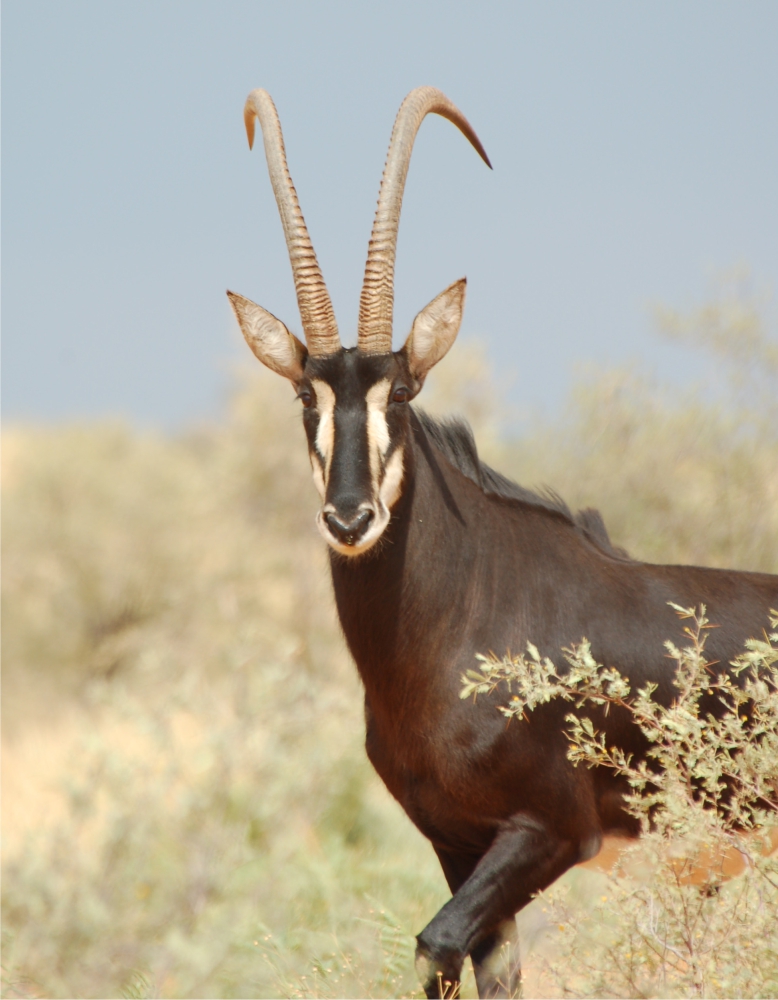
x: 455, y: 785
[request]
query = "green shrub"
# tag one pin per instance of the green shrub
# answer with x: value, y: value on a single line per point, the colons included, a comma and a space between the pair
x: 670, y: 922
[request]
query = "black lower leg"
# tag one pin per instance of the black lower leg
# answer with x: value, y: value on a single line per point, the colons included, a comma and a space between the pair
x: 524, y: 858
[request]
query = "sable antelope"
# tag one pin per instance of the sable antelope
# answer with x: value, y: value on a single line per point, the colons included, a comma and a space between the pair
x: 435, y: 557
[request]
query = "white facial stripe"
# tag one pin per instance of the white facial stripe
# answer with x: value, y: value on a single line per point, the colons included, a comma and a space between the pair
x: 377, y: 400
x: 318, y: 476
x: 389, y: 494
x: 386, y: 475
x: 325, y: 432
x: 393, y: 478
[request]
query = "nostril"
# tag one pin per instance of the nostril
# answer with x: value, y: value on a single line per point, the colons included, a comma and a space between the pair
x: 349, y: 533
x: 363, y: 522
x: 336, y: 527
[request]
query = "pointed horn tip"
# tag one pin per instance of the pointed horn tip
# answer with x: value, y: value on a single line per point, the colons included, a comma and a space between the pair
x: 248, y: 119
x: 468, y: 130
x: 478, y: 147
x: 250, y: 111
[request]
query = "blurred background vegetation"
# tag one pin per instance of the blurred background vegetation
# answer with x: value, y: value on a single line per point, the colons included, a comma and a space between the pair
x: 187, y: 807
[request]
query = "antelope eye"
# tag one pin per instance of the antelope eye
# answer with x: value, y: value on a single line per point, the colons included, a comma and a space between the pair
x: 400, y: 395
x: 305, y: 398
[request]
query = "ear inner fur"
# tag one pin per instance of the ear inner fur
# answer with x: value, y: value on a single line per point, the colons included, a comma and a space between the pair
x: 435, y: 329
x: 268, y: 338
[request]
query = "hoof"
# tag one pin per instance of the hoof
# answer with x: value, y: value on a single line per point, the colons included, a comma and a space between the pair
x: 438, y: 975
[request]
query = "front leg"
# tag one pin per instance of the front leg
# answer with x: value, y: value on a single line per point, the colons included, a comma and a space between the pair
x: 496, y: 959
x: 524, y: 858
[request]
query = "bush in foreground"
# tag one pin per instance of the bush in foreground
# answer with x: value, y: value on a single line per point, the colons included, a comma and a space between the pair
x: 670, y: 921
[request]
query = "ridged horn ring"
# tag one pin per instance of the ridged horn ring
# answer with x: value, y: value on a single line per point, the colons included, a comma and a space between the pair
x: 316, y: 312
x: 376, y: 303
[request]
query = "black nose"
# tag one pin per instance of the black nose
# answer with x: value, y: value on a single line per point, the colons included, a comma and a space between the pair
x: 349, y: 534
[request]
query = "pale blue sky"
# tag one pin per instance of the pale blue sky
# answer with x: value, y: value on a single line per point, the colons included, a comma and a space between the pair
x: 635, y: 148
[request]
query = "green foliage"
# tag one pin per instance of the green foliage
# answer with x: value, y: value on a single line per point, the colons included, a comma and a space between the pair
x: 707, y: 791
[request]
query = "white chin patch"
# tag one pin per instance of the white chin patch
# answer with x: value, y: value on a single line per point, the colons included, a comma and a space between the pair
x: 389, y: 494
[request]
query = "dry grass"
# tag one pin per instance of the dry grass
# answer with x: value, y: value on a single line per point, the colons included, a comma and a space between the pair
x: 188, y: 810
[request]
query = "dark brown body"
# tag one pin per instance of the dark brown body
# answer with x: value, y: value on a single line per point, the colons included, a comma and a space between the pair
x: 462, y: 572
x: 435, y: 559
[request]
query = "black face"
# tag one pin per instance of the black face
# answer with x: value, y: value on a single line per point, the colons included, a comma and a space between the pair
x: 355, y: 409
x: 355, y: 412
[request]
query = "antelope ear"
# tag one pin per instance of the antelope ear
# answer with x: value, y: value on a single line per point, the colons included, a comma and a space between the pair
x: 435, y: 329
x: 269, y: 339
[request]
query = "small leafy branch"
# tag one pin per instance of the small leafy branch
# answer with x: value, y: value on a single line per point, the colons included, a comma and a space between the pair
x: 725, y: 760
x: 707, y: 790
x: 535, y: 680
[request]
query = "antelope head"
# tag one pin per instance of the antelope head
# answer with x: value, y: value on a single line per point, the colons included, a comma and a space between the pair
x: 355, y: 400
